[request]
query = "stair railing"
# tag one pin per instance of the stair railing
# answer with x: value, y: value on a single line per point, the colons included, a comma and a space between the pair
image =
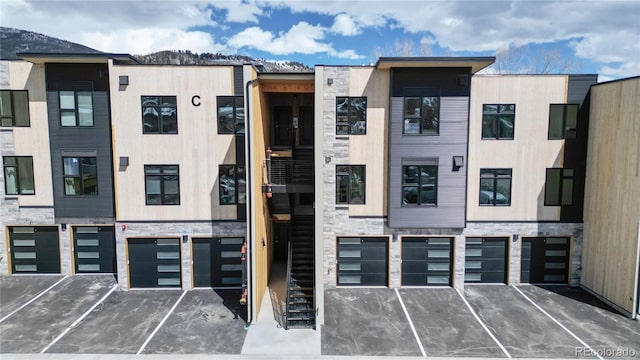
x: 289, y: 266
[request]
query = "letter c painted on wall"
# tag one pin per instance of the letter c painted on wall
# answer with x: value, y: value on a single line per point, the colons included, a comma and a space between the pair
x: 195, y: 100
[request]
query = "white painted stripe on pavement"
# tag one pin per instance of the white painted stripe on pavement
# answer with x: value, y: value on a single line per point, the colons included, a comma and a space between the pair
x: 161, y: 323
x: 33, y: 299
x: 413, y: 328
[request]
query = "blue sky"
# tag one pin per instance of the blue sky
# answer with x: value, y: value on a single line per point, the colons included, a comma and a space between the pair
x: 588, y: 36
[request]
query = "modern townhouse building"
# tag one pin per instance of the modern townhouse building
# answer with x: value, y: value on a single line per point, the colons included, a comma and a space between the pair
x: 412, y: 172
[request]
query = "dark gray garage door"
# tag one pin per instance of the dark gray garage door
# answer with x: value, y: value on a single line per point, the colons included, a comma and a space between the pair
x: 94, y: 249
x: 545, y: 260
x: 154, y: 263
x: 217, y: 262
x: 362, y: 261
x: 34, y: 249
x: 485, y: 260
x: 427, y: 261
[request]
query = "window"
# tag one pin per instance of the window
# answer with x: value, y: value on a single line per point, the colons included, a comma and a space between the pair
x: 420, y: 182
x: 495, y: 187
x: 558, y: 188
x: 14, y: 107
x: 498, y: 121
x: 563, y: 119
x: 233, y: 185
x: 230, y: 115
x: 162, y: 184
x: 351, y: 115
x: 159, y: 115
x: 350, y: 184
x: 76, y: 108
x: 80, y: 176
x: 18, y: 175
x: 421, y: 115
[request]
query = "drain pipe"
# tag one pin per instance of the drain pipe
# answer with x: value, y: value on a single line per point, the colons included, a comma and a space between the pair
x: 247, y: 137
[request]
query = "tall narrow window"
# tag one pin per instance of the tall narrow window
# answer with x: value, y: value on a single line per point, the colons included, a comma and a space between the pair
x: 558, y: 188
x: 18, y: 175
x: 498, y: 121
x: 14, y: 107
x: 421, y: 115
x: 76, y: 108
x: 350, y: 184
x: 351, y: 115
x: 420, y: 182
x: 162, y: 184
x: 159, y: 115
x: 563, y: 119
x: 230, y: 114
x: 495, y: 187
x: 232, y: 184
x: 80, y: 176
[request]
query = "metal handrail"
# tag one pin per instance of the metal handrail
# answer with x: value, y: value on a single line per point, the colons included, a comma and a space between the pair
x: 286, y: 171
x: 289, y: 265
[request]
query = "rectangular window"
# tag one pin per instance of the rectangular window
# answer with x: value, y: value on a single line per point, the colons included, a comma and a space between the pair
x: 14, y: 107
x: 351, y: 115
x: 233, y: 184
x: 558, y: 189
x: 350, y: 184
x: 159, y: 115
x: 76, y: 108
x: 162, y: 184
x: 420, y: 182
x: 80, y: 176
x: 421, y: 115
x: 230, y: 114
x: 495, y: 187
x: 18, y: 175
x: 563, y: 119
x: 498, y: 121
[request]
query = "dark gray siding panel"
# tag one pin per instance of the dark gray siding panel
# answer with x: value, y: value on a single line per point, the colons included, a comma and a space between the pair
x: 238, y: 81
x: 579, y: 85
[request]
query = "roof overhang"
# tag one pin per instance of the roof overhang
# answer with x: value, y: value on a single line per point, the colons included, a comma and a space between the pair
x: 287, y: 82
x: 266, y: 78
x: 475, y: 63
x: 75, y: 58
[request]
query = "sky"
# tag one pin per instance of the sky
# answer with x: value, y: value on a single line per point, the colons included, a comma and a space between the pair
x: 587, y: 36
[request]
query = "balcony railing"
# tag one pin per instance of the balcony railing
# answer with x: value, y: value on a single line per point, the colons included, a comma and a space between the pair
x: 287, y: 171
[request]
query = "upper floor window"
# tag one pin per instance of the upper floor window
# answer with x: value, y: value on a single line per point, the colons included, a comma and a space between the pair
x: 159, y: 115
x: 80, y: 176
x: 162, y: 184
x: 76, y: 108
x: 498, y: 121
x: 421, y: 115
x: 233, y: 184
x: 495, y: 187
x: 351, y: 115
x: 558, y: 189
x: 14, y: 107
x: 420, y: 182
x: 230, y: 114
x: 563, y: 119
x: 350, y: 184
x: 18, y: 175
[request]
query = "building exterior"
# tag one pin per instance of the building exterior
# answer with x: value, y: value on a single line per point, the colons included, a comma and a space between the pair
x: 411, y: 172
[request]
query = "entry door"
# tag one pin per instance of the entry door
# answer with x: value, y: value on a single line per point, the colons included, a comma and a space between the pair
x: 485, y: 260
x: 94, y: 249
x: 282, y: 127
x: 34, y: 249
x: 281, y: 234
x: 427, y: 261
x: 545, y: 260
x: 154, y: 263
x: 305, y: 126
x: 217, y: 262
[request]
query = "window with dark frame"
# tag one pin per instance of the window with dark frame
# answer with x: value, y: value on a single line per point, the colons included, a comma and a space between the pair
x: 159, y: 115
x: 80, y: 176
x: 558, y: 189
x: 350, y: 184
x: 563, y: 119
x: 14, y: 108
x: 495, y: 187
x: 162, y: 184
x: 420, y: 183
x: 230, y: 114
x: 233, y: 184
x: 351, y: 115
x: 421, y: 115
x: 76, y: 108
x: 498, y: 121
x: 18, y: 175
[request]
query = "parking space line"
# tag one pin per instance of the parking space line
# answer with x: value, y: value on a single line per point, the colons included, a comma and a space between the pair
x: 75, y: 323
x: 557, y: 322
x: 161, y: 323
x: 33, y: 299
x: 483, y: 325
x: 413, y: 328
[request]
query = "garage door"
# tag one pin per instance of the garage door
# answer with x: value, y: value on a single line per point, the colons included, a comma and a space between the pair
x: 362, y: 261
x: 34, y: 249
x: 94, y: 249
x: 154, y: 263
x: 545, y: 260
x: 485, y: 260
x: 427, y: 261
x: 217, y: 262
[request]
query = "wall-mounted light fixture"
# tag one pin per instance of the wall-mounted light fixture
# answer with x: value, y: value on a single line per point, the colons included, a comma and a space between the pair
x: 185, y: 238
x: 63, y: 227
x: 458, y: 162
x: 515, y: 237
x: 123, y: 80
x: 395, y: 237
x: 124, y: 161
x: 263, y: 242
x: 329, y: 81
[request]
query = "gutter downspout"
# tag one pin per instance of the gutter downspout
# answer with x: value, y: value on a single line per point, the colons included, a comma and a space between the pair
x: 250, y: 267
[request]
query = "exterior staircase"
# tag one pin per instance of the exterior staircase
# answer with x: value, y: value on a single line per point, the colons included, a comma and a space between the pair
x: 300, y: 311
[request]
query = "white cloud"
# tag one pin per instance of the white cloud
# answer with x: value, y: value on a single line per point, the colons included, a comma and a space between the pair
x: 239, y: 12
x: 148, y: 40
x: 344, y: 25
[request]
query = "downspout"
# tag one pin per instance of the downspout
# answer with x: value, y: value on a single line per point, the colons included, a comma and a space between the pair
x: 248, y: 138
